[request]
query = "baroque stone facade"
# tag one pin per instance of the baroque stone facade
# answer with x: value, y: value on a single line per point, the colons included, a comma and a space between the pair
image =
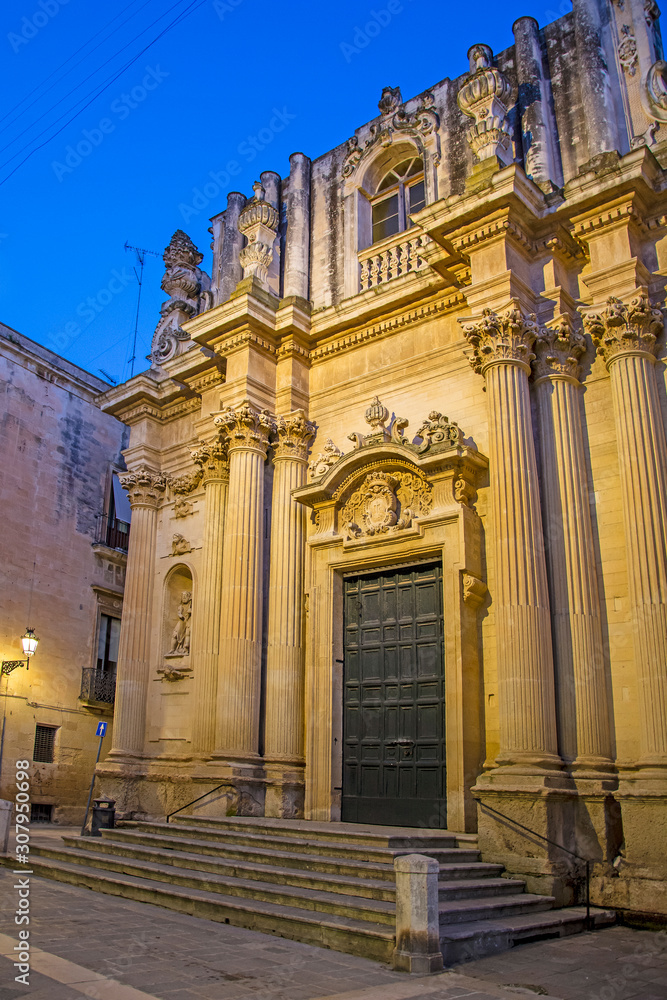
x: 493, y: 249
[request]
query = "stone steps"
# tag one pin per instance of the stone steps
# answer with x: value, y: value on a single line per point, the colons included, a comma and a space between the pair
x: 330, y: 884
x: 353, y: 937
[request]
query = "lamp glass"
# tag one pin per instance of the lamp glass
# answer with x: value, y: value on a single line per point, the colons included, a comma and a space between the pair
x: 29, y: 642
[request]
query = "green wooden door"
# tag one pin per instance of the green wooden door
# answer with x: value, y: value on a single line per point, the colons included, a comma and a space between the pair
x: 394, y: 699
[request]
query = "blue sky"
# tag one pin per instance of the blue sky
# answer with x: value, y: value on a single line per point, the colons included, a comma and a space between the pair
x: 235, y: 81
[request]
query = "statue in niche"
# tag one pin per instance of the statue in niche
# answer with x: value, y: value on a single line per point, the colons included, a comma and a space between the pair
x: 180, y: 639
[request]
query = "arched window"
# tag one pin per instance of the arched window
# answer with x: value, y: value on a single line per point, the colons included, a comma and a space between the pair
x: 399, y: 194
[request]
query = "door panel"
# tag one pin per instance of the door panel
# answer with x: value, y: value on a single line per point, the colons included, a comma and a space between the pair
x: 394, y: 712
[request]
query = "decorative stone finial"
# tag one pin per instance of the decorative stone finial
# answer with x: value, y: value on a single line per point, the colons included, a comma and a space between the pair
x: 485, y: 96
x: 189, y: 291
x: 390, y: 101
x: 259, y: 224
x: 325, y: 460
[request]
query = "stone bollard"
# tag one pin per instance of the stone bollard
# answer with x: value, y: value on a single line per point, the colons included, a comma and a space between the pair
x: 417, y: 920
x: 5, y: 824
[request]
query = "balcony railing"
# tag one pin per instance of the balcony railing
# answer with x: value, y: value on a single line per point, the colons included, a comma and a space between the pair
x: 98, y: 685
x: 114, y: 533
x: 392, y: 260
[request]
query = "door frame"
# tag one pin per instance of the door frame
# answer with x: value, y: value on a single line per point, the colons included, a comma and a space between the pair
x: 450, y: 533
x: 384, y: 574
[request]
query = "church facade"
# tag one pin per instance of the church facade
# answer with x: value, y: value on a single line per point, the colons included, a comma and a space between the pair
x: 398, y: 473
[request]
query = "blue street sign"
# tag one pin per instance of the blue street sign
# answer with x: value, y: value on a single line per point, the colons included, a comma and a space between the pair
x: 101, y: 729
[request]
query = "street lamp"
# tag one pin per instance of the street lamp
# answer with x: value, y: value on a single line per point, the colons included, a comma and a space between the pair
x: 29, y: 643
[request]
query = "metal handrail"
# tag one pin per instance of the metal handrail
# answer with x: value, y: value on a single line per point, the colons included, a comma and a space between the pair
x: 554, y: 843
x: 210, y: 792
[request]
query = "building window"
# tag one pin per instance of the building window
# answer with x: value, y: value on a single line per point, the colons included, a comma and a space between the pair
x: 400, y: 194
x: 116, y: 524
x: 45, y: 737
x: 107, y: 647
x: 40, y: 813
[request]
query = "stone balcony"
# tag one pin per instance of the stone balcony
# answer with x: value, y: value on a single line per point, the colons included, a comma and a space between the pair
x: 393, y: 258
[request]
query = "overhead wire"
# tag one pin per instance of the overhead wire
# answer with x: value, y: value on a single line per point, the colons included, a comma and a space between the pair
x: 194, y: 6
x: 69, y: 58
x: 78, y: 86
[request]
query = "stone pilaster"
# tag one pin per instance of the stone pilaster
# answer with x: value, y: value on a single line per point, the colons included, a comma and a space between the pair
x: 581, y: 684
x: 145, y: 490
x: 502, y: 353
x: 212, y: 460
x: 625, y: 335
x: 245, y: 430
x: 284, y: 736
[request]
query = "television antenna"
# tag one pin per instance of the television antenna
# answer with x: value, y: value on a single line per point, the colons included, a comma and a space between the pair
x: 141, y: 256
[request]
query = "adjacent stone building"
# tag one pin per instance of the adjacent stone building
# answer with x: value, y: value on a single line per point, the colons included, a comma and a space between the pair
x: 64, y: 549
x: 398, y: 473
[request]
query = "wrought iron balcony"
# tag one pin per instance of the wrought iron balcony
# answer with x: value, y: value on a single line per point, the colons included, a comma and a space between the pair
x: 98, y: 685
x: 114, y: 533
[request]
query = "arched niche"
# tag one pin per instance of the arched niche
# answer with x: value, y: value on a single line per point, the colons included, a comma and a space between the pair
x: 176, y: 628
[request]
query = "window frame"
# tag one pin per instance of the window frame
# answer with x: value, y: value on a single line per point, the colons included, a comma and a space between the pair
x: 402, y: 183
x: 52, y: 746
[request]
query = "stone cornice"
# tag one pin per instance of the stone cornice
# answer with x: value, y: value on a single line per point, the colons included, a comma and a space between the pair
x: 383, y: 328
x: 249, y: 308
x: 147, y: 410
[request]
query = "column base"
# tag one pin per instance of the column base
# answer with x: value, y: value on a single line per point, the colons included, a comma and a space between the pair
x: 285, y: 790
x: 636, y: 883
x: 517, y: 810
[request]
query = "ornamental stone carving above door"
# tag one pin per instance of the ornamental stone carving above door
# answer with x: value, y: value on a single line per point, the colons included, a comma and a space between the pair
x: 385, y: 501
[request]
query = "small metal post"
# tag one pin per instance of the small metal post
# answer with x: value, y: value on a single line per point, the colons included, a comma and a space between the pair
x: 90, y: 793
x: 588, y: 895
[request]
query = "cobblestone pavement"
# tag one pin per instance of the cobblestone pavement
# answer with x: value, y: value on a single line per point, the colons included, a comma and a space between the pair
x: 90, y: 944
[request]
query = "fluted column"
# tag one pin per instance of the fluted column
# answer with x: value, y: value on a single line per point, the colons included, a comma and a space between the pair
x: 246, y: 431
x: 501, y: 352
x: 145, y: 490
x: 581, y: 684
x: 625, y: 336
x: 284, y: 734
x: 212, y: 460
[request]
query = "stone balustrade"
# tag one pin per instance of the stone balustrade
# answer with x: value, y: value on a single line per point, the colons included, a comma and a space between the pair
x: 402, y: 256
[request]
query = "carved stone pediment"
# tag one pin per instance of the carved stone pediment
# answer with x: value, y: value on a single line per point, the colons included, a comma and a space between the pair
x: 388, y: 482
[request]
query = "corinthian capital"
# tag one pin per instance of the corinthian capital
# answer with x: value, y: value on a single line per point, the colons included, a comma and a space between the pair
x: 558, y: 348
x: 212, y: 461
x: 293, y: 434
x: 245, y: 427
x: 508, y: 337
x: 622, y: 328
x: 144, y: 487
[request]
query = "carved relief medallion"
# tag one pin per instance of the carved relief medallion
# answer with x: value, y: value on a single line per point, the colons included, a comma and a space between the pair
x: 385, y: 501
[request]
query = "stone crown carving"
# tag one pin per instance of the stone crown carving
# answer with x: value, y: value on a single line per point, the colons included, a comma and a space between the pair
x: 245, y: 427
x: 495, y: 338
x: 486, y: 97
x: 558, y: 349
x: 293, y: 435
x: 437, y: 433
x: 622, y: 328
x: 189, y: 291
x: 259, y: 224
x: 144, y: 487
x: 212, y: 461
x: 395, y: 119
